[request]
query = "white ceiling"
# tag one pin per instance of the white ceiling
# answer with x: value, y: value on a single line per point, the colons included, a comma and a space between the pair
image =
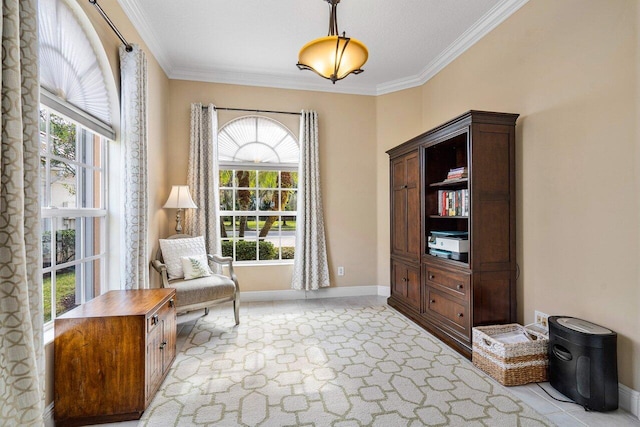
x: 256, y: 42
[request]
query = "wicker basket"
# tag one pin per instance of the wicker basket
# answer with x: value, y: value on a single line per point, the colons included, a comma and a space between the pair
x: 510, y: 364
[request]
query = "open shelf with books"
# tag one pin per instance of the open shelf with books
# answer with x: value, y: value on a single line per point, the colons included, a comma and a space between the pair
x: 447, y: 195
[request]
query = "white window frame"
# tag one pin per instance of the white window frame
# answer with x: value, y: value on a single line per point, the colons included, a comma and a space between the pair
x: 257, y: 213
x: 58, y: 214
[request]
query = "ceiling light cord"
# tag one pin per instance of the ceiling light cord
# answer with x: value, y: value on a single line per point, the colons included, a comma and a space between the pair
x: 333, y: 17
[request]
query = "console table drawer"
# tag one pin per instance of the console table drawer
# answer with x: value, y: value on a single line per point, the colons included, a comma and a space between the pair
x: 153, y: 320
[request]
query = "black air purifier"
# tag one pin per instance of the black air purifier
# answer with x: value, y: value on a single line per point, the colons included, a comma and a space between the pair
x: 583, y: 362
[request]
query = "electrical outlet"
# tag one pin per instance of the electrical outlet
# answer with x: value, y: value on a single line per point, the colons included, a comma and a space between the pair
x: 340, y: 271
x: 541, y: 319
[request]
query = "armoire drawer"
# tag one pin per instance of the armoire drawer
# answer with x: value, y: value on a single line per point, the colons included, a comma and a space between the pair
x: 454, y: 311
x: 454, y: 283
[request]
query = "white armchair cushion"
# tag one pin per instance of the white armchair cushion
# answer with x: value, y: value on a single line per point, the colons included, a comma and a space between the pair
x: 195, y: 266
x: 174, y: 249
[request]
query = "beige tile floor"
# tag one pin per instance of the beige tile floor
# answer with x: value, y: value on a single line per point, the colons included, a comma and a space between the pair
x: 562, y: 414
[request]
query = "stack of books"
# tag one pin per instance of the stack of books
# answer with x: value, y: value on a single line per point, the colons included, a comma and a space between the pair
x: 457, y: 173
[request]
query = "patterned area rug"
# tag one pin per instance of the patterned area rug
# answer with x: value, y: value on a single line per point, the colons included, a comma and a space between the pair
x: 340, y: 367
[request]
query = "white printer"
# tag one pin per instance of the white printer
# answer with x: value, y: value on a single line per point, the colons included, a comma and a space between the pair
x: 449, y: 244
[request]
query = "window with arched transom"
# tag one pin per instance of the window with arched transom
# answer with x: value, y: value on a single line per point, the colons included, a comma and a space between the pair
x: 258, y: 159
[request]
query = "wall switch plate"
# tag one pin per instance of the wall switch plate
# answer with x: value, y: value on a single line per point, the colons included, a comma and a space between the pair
x: 340, y: 271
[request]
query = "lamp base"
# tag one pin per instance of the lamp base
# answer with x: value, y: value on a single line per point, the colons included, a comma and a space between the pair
x: 178, y: 221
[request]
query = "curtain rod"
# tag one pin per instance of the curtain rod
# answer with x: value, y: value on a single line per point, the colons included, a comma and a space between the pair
x: 128, y: 46
x: 256, y: 111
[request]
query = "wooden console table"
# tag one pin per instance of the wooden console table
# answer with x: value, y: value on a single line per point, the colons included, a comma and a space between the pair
x: 112, y: 354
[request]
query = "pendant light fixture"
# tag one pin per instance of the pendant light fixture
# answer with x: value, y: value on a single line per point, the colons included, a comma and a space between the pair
x: 335, y: 56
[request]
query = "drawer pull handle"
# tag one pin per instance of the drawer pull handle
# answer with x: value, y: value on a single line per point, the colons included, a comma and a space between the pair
x: 459, y: 314
x: 163, y: 345
x: 460, y: 287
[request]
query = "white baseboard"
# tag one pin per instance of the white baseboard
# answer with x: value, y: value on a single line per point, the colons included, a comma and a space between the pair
x: 291, y: 294
x: 384, y: 291
x: 48, y: 416
x: 629, y: 400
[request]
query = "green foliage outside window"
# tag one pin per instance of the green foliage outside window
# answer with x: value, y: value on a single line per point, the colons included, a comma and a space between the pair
x: 65, y: 245
x: 246, y: 250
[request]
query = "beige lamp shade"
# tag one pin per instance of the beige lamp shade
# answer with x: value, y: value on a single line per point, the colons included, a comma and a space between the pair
x: 180, y: 198
x: 333, y: 57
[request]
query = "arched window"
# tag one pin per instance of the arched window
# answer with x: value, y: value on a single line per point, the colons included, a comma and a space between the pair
x: 78, y: 98
x: 258, y: 190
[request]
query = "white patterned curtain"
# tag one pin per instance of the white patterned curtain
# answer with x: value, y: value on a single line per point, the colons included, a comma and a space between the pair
x: 310, y: 268
x: 21, y: 311
x: 133, y: 99
x: 202, y: 177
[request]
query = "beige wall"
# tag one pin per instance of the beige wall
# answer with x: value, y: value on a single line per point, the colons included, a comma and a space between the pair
x: 347, y: 167
x: 570, y: 69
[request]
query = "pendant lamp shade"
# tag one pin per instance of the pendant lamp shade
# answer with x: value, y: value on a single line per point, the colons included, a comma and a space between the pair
x: 335, y: 56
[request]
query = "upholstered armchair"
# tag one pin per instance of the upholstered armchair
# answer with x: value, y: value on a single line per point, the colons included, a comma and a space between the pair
x: 186, y: 267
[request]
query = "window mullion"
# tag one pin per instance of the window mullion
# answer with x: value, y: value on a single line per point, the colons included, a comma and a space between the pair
x: 54, y: 264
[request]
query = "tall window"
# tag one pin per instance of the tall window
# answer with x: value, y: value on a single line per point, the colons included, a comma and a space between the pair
x: 72, y: 171
x: 78, y: 97
x: 258, y: 190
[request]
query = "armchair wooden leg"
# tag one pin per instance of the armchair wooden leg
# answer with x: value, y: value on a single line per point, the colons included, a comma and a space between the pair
x: 236, y: 310
x: 206, y: 311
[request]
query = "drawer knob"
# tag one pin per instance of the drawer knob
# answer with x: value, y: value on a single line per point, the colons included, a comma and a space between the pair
x: 459, y: 314
x: 404, y: 279
x: 432, y: 301
x: 163, y: 345
x: 171, y: 302
x: 431, y: 276
x: 154, y: 319
x: 460, y: 287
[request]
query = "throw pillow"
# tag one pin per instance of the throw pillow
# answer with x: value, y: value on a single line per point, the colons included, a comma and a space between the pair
x: 195, y: 266
x: 174, y: 249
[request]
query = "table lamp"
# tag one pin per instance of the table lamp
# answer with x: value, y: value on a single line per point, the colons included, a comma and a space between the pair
x: 179, y: 198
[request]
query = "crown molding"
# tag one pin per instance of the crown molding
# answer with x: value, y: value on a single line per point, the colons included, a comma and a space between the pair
x: 133, y: 12
x: 280, y: 81
x: 477, y: 31
x: 498, y: 14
